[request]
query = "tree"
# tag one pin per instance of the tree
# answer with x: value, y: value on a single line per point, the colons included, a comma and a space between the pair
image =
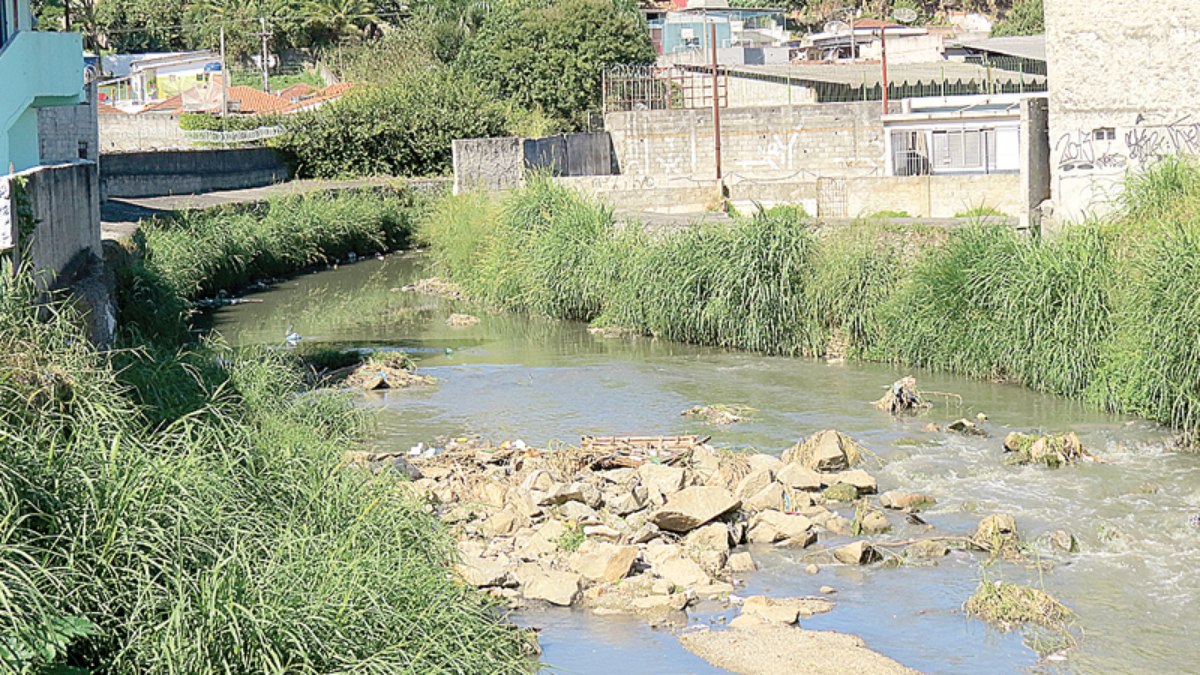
x: 1027, y: 17
x: 141, y: 25
x: 551, y: 54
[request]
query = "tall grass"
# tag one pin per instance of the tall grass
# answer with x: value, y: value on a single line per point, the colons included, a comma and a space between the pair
x: 1106, y: 310
x: 220, y: 539
x: 201, y: 252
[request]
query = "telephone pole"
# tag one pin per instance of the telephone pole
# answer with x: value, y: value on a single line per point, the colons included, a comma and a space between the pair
x: 263, y: 59
x: 224, y: 77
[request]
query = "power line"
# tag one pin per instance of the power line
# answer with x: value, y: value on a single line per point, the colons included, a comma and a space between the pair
x: 251, y: 20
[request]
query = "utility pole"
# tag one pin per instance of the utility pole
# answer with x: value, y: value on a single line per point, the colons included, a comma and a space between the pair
x: 716, y: 105
x: 265, y: 35
x: 224, y: 77
x: 883, y: 51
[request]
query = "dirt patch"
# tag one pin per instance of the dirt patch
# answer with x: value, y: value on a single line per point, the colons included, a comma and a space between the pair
x: 461, y: 320
x: 769, y: 649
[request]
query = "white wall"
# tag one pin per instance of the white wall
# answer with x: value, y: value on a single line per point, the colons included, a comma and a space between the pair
x: 1128, y: 66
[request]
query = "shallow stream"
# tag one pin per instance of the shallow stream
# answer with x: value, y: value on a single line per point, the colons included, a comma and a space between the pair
x: 1135, y: 584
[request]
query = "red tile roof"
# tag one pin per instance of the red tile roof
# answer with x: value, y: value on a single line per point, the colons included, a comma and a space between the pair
x: 297, y: 91
x: 251, y: 101
x: 171, y: 105
x: 330, y: 93
x: 106, y: 109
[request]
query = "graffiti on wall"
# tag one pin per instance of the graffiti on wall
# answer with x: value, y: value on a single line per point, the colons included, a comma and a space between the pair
x: 1146, y: 142
x: 775, y: 153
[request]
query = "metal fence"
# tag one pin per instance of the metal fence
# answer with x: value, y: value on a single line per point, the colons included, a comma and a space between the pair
x: 628, y: 88
x: 236, y: 137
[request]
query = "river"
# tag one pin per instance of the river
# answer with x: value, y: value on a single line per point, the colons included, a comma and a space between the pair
x: 1134, y: 585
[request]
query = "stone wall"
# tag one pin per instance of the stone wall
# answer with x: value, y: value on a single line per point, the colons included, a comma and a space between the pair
x: 829, y: 139
x: 154, y: 174
x: 151, y: 131
x: 1124, y: 83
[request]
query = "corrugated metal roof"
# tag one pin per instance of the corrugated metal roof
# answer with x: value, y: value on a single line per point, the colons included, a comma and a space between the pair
x: 1022, y: 46
x: 870, y: 74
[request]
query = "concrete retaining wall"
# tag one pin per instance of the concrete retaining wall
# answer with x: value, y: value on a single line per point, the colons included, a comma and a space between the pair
x: 155, y: 174
x: 501, y: 163
x: 829, y: 139
x: 66, y: 214
x: 130, y: 133
x: 920, y: 196
x: 1123, y: 89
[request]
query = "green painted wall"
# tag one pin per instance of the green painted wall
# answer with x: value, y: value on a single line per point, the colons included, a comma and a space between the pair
x: 38, y: 69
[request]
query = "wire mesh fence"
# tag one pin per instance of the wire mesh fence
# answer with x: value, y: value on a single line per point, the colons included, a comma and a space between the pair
x: 234, y: 137
x: 628, y: 88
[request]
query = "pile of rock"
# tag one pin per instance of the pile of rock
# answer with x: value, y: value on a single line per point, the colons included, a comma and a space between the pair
x: 1052, y: 450
x: 564, y: 528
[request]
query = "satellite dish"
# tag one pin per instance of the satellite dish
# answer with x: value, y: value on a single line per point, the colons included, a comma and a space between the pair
x: 836, y: 27
x: 905, y: 14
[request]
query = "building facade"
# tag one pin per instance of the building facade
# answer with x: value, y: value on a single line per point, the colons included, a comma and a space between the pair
x: 1124, y: 87
x: 38, y: 70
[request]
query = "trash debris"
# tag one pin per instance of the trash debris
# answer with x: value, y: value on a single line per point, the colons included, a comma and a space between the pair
x: 1009, y: 606
x: 381, y: 371
x: 902, y: 397
x: 435, y: 286
x: 720, y: 414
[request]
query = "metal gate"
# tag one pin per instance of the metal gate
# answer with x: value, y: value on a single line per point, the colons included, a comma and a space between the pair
x: 831, y: 198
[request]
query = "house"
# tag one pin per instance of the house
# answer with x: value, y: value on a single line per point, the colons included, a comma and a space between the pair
x: 136, y: 80
x: 954, y: 135
x: 38, y: 70
x: 864, y: 40
x: 48, y: 153
x: 743, y: 35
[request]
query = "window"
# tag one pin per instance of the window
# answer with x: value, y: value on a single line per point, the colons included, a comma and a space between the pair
x: 964, y: 150
x: 1104, y: 134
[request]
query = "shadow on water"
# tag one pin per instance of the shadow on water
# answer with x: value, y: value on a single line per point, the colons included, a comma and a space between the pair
x: 1133, y: 584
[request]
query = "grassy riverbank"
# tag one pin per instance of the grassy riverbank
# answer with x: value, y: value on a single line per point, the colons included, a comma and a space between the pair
x: 1107, y: 311
x: 179, y: 507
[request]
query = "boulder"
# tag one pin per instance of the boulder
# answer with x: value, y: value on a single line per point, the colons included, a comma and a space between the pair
x: 995, y: 526
x: 483, y: 572
x: 1064, y: 541
x: 926, y: 549
x: 799, y: 477
x: 770, y: 497
x: 674, y: 602
x: 711, y: 537
x: 812, y: 568
x: 874, y: 522
x: 552, y: 586
x: 827, y: 450
x: 802, y: 541
x: 538, y: 480
x: 753, y: 483
x: 600, y: 561
x: 840, y: 492
x: 905, y: 501
x: 681, y: 571
x: 741, y: 563
x: 769, y: 527
x: 562, y: 493
x: 578, y: 512
x: 660, y: 478
x: 502, y: 522
x: 690, y: 508
x: 861, y: 480
x: 784, y: 610
x: 966, y: 427
x: 858, y: 553
x: 646, y: 533
x: 602, y: 532
x: 762, y: 461
x: 625, y: 500
x: 541, y: 542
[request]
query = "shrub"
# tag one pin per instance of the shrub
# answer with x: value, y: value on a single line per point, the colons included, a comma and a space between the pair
x: 404, y: 128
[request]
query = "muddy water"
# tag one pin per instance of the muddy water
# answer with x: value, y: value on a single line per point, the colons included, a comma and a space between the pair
x: 1135, y: 584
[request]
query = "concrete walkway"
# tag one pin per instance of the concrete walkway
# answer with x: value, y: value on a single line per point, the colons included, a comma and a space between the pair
x: 119, y: 217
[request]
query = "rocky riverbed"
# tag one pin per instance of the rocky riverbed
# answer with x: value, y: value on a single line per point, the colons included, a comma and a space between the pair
x: 655, y: 526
